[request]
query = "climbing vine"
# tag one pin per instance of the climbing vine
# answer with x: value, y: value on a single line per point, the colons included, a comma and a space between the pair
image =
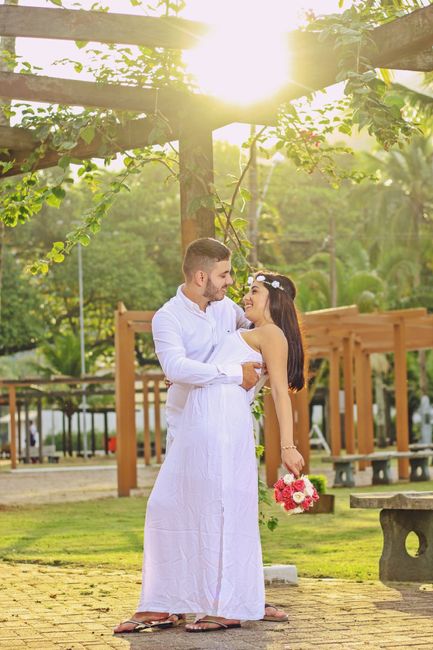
x: 302, y: 132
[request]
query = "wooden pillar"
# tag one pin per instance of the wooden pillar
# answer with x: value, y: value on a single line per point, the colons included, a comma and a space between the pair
x: 92, y: 432
x: 39, y: 427
x: 369, y: 440
x: 105, y: 416
x: 272, y: 440
x: 12, y: 426
x: 157, y: 411
x: 27, y: 430
x: 400, y: 369
x: 196, y: 177
x: 349, y: 423
x: 361, y: 402
x: 302, y: 425
x: 334, y: 405
x: 18, y: 409
x: 125, y: 403
x: 146, y: 423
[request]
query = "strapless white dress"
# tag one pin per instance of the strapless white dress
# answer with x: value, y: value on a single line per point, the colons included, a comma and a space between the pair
x: 202, y: 551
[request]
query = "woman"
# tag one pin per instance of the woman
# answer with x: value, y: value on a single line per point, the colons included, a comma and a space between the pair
x: 202, y: 545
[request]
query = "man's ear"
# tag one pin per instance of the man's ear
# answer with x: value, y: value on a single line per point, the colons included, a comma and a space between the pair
x: 200, y: 278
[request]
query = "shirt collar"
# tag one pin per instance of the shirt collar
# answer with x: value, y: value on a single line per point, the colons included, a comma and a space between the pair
x: 190, y: 304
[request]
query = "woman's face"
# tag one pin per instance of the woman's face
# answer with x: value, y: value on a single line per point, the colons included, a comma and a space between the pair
x: 256, y: 302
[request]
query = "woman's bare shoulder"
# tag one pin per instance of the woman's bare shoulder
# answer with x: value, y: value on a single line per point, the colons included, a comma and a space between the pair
x: 273, y: 333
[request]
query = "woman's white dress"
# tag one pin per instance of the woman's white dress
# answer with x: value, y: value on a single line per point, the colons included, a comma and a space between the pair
x: 202, y: 551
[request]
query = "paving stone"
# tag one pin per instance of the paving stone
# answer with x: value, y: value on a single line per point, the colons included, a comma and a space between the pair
x: 324, y: 614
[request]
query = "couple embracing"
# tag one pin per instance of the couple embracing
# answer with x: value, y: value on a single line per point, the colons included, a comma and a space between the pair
x: 202, y: 551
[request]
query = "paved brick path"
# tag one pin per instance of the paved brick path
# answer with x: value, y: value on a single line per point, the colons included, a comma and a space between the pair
x: 47, y: 608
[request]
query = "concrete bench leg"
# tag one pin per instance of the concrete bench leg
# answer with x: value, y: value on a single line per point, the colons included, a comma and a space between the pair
x: 419, y: 464
x: 344, y: 474
x: 395, y: 564
x: 381, y: 474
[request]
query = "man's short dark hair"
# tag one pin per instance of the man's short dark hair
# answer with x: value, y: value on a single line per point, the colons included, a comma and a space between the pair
x: 202, y: 254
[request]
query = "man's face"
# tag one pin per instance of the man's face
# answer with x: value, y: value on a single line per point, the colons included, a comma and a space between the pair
x: 219, y: 279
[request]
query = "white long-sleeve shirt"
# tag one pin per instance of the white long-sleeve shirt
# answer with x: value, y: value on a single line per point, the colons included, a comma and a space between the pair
x: 184, y: 337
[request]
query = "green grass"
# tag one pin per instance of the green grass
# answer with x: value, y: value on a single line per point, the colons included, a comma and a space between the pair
x: 109, y: 533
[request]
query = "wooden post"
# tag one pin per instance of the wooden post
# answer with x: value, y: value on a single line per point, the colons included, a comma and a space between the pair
x: 196, y: 177
x: 157, y: 411
x: 302, y: 425
x: 146, y: 423
x: 400, y: 369
x: 125, y: 404
x: 334, y: 406
x: 92, y: 432
x: 18, y: 409
x: 27, y: 430
x: 361, y: 402
x: 349, y: 424
x: 272, y: 440
x: 369, y: 442
x: 12, y: 426
x: 39, y: 427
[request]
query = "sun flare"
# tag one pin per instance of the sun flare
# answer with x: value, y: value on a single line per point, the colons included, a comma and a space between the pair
x: 245, y: 57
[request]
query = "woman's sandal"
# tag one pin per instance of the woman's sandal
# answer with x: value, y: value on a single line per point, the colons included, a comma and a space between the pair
x: 141, y: 626
x: 274, y: 619
x: 220, y: 628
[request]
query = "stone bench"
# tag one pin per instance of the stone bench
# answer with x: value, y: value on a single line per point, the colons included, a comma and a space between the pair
x: 48, y: 452
x: 381, y: 465
x: 400, y: 514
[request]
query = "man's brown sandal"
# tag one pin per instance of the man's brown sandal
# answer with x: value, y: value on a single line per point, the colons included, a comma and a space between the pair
x: 141, y: 626
x: 274, y: 619
x: 220, y: 628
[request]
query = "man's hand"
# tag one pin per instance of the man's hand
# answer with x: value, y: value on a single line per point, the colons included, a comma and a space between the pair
x: 250, y: 375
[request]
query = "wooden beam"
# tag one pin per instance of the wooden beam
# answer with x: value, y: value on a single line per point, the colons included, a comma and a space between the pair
x: 334, y: 401
x: 102, y: 27
x: 402, y: 415
x: 349, y: 423
x: 369, y: 437
x: 135, y: 134
x: 271, y: 440
x: 301, y: 418
x: 196, y: 177
x: 420, y: 62
x: 361, y: 402
x: 13, y: 137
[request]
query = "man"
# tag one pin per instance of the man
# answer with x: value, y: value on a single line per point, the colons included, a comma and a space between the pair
x: 185, y: 332
x: 189, y: 326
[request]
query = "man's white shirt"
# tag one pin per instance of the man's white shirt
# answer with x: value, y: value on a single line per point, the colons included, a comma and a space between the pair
x: 185, y: 337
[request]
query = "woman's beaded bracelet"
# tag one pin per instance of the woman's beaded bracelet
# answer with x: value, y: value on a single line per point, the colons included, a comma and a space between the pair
x: 289, y: 447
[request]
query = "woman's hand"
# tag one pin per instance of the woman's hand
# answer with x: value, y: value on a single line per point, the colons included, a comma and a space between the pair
x: 293, y: 461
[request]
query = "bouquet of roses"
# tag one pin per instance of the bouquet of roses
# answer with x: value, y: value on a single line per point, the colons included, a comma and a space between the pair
x: 295, y: 494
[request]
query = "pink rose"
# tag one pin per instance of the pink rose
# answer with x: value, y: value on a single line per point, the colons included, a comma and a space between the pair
x: 287, y: 492
x: 298, y: 485
x: 315, y: 495
x: 307, y: 503
x: 278, y: 496
x: 280, y: 485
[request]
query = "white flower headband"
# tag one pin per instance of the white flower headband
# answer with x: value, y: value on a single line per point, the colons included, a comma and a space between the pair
x: 261, y: 278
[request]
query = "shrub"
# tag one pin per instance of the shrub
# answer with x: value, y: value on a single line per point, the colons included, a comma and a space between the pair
x: 319, y: 481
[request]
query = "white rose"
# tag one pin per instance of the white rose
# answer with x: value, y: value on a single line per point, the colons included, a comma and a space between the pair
x: 275, y: 284
x: 260, y: 278
x: 288, y: 478
x: 309, y: 490
x: 298, y: 497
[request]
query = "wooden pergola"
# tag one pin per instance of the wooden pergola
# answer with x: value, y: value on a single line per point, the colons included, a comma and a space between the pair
x: 402, y: 44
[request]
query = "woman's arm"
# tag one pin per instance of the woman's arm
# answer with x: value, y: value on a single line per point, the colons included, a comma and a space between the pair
x: 275, y: 350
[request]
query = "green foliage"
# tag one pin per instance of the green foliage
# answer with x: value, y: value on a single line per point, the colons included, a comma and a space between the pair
x: 319, y: 481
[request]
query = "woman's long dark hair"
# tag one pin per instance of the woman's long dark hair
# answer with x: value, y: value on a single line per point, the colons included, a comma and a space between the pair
x: 285, y: 315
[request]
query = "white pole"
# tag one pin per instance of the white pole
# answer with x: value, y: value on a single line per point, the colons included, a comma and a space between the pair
x: 83, y: 360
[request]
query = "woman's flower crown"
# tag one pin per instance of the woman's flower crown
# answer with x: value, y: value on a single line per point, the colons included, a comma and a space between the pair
x: 276, y: 284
